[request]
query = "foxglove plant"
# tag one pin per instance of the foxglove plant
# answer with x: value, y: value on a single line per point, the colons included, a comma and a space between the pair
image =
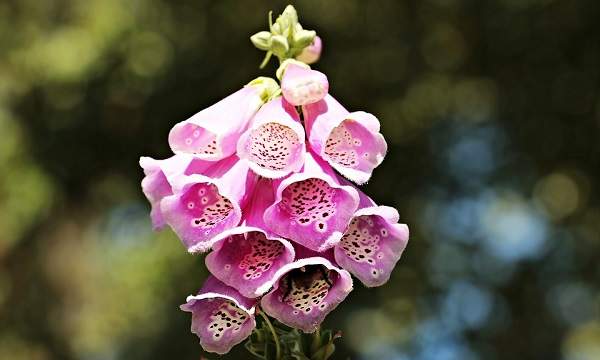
x: 262, y: 182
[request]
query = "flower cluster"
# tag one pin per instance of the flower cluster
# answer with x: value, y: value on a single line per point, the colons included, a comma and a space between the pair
x: 262, y: 182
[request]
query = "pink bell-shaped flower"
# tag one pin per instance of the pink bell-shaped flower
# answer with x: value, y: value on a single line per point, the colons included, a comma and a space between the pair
x: 212, y: 134
x: 221, y: 316
x: 311, y: 207
x: 247, y: 257
x: 373, y: 243
x: 349, y: 142
x: 273, y: 146
x: 205, y: 205
x: 306, y: 290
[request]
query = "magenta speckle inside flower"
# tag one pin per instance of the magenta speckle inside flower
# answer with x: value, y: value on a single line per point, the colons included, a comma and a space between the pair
x: 227, y: 317
x: 273, y: 146
x: 351, y: 145
x: 306, y: 288
x: 261, y: 256
x: 310, y: 202
x: 361, y: 241
x: 206, y: 206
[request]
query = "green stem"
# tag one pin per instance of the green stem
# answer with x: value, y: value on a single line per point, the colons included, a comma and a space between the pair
x: 273, y: 332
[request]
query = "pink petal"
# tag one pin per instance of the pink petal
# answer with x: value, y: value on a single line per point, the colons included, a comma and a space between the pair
x: 372, y: 244
x: 204, y: 206
x: 305, y: 291
x: 221, y: 317
x: 302, y: 86
x: 274, y: 143
x: 349, y: 142
x: 248, y: 260
x: 156, y: 184
x: 311, y: 207
x: 247, y: 257
x: 212, y: 134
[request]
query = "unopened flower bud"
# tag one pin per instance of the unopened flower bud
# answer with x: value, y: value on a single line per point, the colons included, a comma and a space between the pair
x: 262, y: 40
x: 311, y: 53
x: 304, y: 38
x: 279, y: 45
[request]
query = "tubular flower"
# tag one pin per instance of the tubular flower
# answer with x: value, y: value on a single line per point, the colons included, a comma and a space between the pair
x: 248, y: 257
x: 311, y: 53
x: 372, y: 243
x: 268, y: 192
x: 305, y: 291
x: 311, y: 207
x: 274, y: 146
x: 204, y: 205
x: 212, y: 134
x: 349, y: 142
x: 221, y: 317
x: 158, y: 177
x: 302, y: 86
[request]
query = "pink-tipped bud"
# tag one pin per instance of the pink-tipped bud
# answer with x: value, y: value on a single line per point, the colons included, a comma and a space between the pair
x: 311, y: 53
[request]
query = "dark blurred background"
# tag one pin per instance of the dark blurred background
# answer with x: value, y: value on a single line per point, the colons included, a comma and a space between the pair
x: 491, y: 110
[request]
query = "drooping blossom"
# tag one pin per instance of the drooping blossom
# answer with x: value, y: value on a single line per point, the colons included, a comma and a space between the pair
x: 247, y: 257
x: 306, y: 290
x: 204, y: 205
x: 221, y: 316
x: 302, y: 86
x: 274, y: 145
x: 312, y: 53
x: 212, y: 133
x: 349, y: 142
x: 311, y: 207
x: 159, y: 175
x: 372, y: 243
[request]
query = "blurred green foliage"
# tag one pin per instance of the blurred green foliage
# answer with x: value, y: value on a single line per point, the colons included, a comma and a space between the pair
x: 490, y: 108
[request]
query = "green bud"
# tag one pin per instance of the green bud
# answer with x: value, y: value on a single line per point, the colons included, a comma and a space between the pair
x: 303, y: 38
x: 276, y: 29
x: 290, y: 14
x: 262, y: 40
x: 279, y: 45
x: 269, y: 87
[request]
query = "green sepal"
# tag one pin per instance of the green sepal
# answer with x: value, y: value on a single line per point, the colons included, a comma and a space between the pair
x: 279, y: 46
x: 262, y: 40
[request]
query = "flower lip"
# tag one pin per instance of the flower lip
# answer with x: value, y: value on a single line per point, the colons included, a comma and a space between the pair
x: 203, y: 206
x: 302, y: 302
x: 221, y: 317
x: 247, y: 259
x: 349, y: 142
x: 157, y: 182
x: 274, y: 146
x: 372, y: 244
x: 318, y: 206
